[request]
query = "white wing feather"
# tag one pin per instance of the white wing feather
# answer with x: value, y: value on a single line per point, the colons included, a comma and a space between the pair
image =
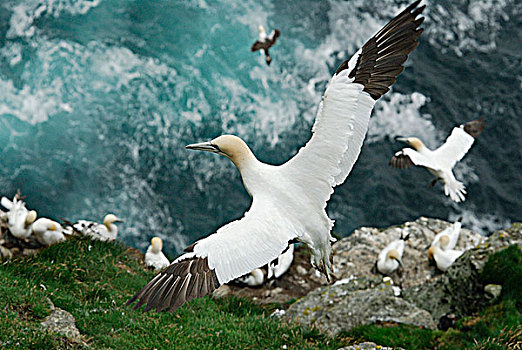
x: 418, y: 158
x: 243, y: 245
x: 455, y: 147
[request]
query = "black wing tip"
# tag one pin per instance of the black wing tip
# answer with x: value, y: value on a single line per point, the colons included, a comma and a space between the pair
x: 475, y: 127
x: 401, y: 161
x: 180, y: 282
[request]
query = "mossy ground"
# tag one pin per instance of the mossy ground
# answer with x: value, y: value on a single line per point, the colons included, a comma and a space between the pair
x: 92, y: 280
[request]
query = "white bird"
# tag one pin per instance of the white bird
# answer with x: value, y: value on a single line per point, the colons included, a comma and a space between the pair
x: 154, y: 257
x: 448, y: 238
x: 19, y: 218
x: 47, y: 231
x: 252, y: 279
x: 390, y: 257
x: 103, y: 232
x: 441, y: 161
x: 443, y: 258
x: 275, y: 269
x: 265, y: 42
x: 289, y: 200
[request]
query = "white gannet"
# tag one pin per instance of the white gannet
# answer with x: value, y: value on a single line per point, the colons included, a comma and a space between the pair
x: 273, y: 270
x: 441, y: 161
x: 154, y: 257
x: 103, y: 232
x: 390, y: 257
x: 289, y: 200
x: 252, y: 279
x: 265, y: 42
x: 19, y: 218
x: 443, y: 258
x: 47, y: 231
x: 448, y: 238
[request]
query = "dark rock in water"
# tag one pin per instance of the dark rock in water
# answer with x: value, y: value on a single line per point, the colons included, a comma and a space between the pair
x: 358, y: 302
x: 356, y: 254
x: 460, y: 290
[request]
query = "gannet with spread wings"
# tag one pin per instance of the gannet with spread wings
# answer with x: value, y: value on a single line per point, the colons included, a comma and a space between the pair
x: 289, y: 200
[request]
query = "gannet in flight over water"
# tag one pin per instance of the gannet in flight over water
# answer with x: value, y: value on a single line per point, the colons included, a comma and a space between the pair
x: 19, y: 218
x: 441, y: 161
x: 390, y: 257
x: 265, y: 42
x: 154, y: 257
x: 103, y: 232
x: 289, y: 200
x: 47, y: 231
x: 452, y: 236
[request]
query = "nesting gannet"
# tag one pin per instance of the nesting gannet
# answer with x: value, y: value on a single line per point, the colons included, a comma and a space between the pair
x: 154, y: 257
x: 47, y: 231
x: 390, y: 257
x: 441, y: 161
x: 252, y: 279
x: 265, y: 42
x: 448, y: 238
x: 275, y: 269
x: 19, y: 218
x: 443, y: 258
x: 103, y: 232
x: 289, y: 200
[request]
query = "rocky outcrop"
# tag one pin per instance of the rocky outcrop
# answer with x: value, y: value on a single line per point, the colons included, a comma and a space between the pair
x: 61, y: 322
x: 368, y: 346
x: 460, y: 290
x: 356, y: 254
x: 344, y: 306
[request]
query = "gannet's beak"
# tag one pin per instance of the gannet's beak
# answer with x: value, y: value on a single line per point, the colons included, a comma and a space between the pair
x: 401, y: 139
x: 204, y: 146
x: 400, y: 262
x: 118, y: 220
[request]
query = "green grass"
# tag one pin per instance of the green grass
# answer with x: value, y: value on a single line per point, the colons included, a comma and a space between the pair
x: 92, y: 280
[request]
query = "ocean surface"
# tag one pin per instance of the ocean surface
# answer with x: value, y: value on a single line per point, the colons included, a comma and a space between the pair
x: 99, y: 97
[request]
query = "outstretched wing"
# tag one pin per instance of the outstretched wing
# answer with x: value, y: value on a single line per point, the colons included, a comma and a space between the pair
x: 407, y: 157
x: 344, y: 112
x: 458, y: 143
x: 258, y: 45
x: 234, y: 250
x: 272, y: 38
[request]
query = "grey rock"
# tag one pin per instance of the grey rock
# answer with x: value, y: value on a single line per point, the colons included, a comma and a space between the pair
x: 356, y: 254
x: 493, y: 289
x: 344, y: 306
x: 367, y: 346
x: 459, y: 290
x: 62, y: 322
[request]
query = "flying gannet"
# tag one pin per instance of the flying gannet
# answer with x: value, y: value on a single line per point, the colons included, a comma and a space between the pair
x: 19, y: 218
x: 154, y: 257
x: 47, y: 231
x: 390, y: 257
x: 441, y: 161
x: 289, y: 200
x: 103, y: 232
x: 265, y: 42
x: 448, y: 238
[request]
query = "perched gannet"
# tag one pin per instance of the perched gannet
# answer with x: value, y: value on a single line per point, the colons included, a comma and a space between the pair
x: 47, y: 231
x: 265, y: 42
x: 443, y: 258
x: 19, y: 218
x: 252, y: 279
x: 390, y: 257
x: 448, y: 238
x: 441, y: 161
x: 289, y: 200
x: 103, y: 232
x: 154, y: 257
x: 275, y: 269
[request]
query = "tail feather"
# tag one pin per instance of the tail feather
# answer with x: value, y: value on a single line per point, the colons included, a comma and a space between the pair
x: 455, y: 190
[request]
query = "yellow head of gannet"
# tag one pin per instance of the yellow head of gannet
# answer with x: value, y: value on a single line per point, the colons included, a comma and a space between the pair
x: 156, y: 244
x: 109, y: 221
x: 444, y: 241
x: 30, y: 218
x: 230, y: 146
x: 394, y: 254
x: 413, y: 142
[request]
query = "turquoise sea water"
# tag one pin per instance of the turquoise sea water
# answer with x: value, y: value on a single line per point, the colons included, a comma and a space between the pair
x: 98, y: 99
